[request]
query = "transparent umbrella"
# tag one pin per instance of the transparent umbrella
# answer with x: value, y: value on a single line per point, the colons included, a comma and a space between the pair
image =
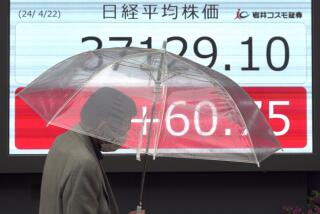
x: 183, y: 109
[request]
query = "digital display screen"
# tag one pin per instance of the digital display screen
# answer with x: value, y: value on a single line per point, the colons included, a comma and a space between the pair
x: 264, y: 46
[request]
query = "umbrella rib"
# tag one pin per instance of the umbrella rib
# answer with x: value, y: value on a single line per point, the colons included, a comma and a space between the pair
x: 81, y: 87
x: 128, y: 56
x: 195, y: 78
x: 139, y: 67
x: 190, y: 63
x: 63, y: 106
x: 243, y: 122
x: 184, y: 74
x: 175, y: 73
x: 170, y: 77
x: 151, y: 76
x: 146, y: 71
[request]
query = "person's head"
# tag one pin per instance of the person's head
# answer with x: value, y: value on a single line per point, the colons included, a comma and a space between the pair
x: 107, y: 115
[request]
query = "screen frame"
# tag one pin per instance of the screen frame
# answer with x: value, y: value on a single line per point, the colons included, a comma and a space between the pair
x: 127, y: 163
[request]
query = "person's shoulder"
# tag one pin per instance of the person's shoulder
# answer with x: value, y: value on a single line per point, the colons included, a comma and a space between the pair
x: 66, y: 136
x: 78, y: 150
x: 60, y: 139
x: 68, y: 146
x: 68, y: 140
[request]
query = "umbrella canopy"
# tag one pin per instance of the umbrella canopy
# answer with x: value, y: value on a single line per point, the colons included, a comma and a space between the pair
x: 177, y: 107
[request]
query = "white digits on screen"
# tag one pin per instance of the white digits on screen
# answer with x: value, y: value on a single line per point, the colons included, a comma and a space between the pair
x: 214, y: 118
x: 283, y: 117
x: 273, y: 115
x: 170, y: 116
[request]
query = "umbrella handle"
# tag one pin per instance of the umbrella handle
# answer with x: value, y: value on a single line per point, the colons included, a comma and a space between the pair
x: 139, y: 209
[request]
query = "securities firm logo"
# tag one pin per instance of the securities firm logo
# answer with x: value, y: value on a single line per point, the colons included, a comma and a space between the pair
x: 268, y: 14
x: 241, y: 14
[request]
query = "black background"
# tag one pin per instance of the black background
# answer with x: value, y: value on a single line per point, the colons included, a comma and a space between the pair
x: 188, y: 186
x: 180, y: 193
